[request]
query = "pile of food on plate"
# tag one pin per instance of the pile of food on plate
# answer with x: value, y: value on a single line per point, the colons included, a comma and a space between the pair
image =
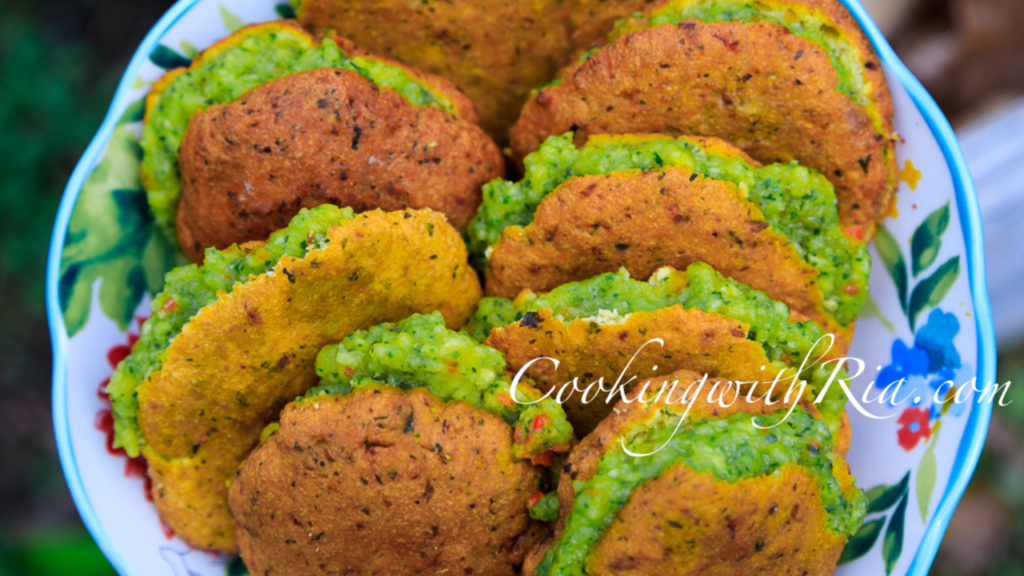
x: 400, y: 351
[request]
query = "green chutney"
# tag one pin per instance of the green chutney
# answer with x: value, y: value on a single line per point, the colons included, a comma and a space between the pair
x: 420, y: 352
x: 796, y: 201
x: 189, y: 289
x: 223, y: 76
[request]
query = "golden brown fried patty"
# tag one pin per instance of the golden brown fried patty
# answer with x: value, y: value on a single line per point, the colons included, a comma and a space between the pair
x: 686, y: 523
x: 694, y: 340
x: 244, y: 357
x: 769, y: 525
x: 592, y: 20
x: 383, y: 481
x: 495, y: 50
x: 324, y: 136
x: 755, y: 85
x: 644, y: 221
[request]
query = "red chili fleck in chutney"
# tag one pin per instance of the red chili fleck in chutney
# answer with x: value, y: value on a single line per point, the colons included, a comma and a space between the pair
x: 540, y: 422
x: 545, y: 459
x: 535, y: 498
x: 170, y: 305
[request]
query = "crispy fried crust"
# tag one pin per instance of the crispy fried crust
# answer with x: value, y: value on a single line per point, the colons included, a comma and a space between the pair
x: 324, y: 136
x: 242, y: 358
x: 756, y: 85
x: 462, y: 105
x: 769, y: 525
x: 495, y: 50
x: 592, y: 20
x: 704, y: 343
x: 688, y: 523
x: 385, y: 482
x: 644, y: 221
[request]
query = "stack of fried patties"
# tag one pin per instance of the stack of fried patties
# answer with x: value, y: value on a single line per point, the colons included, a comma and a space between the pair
x: 301, y: 387
x: 326, y: 390
x: 698, y: 190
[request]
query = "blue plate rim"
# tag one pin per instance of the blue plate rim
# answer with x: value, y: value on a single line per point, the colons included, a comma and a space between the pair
x: 976, y: 429
x: 58, y: 331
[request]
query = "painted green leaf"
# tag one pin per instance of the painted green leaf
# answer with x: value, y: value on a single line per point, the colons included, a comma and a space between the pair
x: 111, y: 239
x: 74, y: 297
x: 927, y: 240
x: 231, y: 21
x: 236, y: 567
x: 933, y: 289
x: 861, y: 543
x: 133, y: 113
x: 122, y: 288
x: 925, y: 484
x: 892, y: 257
x: 285, y: 11
x: 167, y: 58
x: 892, y: 545
x: 158, y: 258
x: 881, y: 498
x: 188, y: 49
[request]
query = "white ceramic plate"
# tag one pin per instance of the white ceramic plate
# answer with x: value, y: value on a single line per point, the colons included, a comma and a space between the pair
x: 106, y: 259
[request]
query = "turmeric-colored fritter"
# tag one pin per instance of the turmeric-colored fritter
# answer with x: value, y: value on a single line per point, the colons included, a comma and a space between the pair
x: 243, y: 357
x: 590, y: 342
x: 324, y: 136
x: 592, y: 20
x: 587, y: 351
x: 641, y: 222
x: 739, y: 75
x: 721, y: 496
x: 497, y: 51
x: 643, y: 201
x: 384, y: 481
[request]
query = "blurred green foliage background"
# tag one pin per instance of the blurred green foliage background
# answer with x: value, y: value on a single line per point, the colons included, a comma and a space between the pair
x: 59, y: 65
x: 60, y: 61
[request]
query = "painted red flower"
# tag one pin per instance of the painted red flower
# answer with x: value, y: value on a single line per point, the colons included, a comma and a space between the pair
x: 121, y: 351
x: 914, y: 427
x: 133, y: 467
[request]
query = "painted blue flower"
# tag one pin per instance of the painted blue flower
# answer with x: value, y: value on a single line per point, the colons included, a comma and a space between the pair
x: 942, y: 379
x: 915, y: 392
x: 936, y: 337
x: 906, y: 362
x: 942, y: 383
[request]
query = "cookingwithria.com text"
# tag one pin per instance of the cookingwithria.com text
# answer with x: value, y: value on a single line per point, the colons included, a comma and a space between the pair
x: 789, y: 387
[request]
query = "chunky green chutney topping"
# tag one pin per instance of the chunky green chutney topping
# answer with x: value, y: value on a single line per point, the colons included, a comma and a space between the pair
x: 189, y: 289
x: 544, y: 507
x: 802, y: 22
x: 223, y: 76
x: 796, y: 201
x: 730, y: 449
x: 420, y: 352
x: 490, y: 313
x: 610, y: 298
